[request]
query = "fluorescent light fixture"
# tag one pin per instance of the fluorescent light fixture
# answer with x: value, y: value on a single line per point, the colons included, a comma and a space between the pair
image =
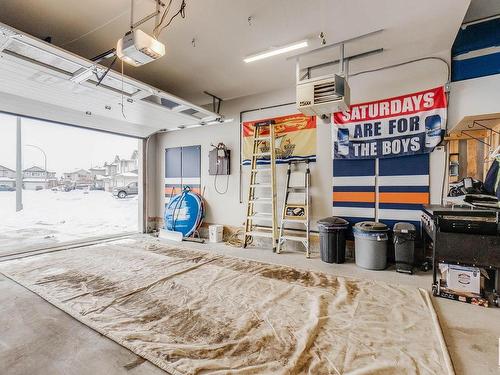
x: 277, y: 51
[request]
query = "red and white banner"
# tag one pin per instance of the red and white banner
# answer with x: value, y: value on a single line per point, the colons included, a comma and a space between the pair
x: 404, y: 125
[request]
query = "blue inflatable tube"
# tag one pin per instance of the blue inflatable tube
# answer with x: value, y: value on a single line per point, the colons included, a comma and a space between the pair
x: 184, y: 213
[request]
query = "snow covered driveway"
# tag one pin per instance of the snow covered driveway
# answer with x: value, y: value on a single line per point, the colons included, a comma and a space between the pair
x: 55, y: 216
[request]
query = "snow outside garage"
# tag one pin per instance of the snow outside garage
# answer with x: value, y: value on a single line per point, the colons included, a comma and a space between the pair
x: 71, y: 178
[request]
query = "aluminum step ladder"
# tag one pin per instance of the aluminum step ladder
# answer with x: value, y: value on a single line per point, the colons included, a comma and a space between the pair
x: 262, y: 195
x: 296, y: 212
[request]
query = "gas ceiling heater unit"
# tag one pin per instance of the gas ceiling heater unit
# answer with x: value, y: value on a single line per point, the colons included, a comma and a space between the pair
x: 323, y: 95
x: 326, y: 94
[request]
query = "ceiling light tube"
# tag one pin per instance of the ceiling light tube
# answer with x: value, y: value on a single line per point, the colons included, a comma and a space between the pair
x: 277, y: 51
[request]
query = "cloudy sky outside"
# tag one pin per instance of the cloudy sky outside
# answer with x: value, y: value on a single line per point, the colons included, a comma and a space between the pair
x: 67, y: 148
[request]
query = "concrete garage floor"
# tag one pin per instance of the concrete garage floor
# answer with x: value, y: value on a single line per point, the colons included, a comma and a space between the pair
x: 38, y: 338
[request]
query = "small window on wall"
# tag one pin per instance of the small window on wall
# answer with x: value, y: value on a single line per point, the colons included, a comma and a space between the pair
x: 182, y: 168
x: 58, y: 201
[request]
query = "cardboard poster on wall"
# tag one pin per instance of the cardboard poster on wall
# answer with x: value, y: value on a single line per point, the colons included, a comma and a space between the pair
x: 295, y: 139
x: 400, y: 126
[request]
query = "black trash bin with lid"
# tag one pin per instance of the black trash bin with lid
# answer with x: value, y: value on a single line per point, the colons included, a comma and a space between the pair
x: 404, y: 246
x: 332, y: 239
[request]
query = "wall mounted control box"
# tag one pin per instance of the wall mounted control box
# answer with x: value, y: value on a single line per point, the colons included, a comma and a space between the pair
x: 219, y: 162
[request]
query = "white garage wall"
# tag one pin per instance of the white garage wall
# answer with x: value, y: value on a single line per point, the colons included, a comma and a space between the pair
x: 227, y: 209
x: 474, y: 97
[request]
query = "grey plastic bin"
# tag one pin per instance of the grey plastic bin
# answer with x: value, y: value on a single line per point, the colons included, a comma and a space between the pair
x: 404, y: 246
x: 332, y: 239
x: 370, y: 239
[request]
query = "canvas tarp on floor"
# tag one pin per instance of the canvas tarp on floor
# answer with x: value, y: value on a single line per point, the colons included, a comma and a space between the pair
x: 199, y: 313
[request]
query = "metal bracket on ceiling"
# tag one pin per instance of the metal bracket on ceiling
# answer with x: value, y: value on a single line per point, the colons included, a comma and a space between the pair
x: 216, y: 102
x: 4, y: 43
x: 105, y: 55
x: 5, y: 38
x: 156, y: 13
x: 343, y: 60
x: 324, y: 47
x: 348, y: 59
x: 83, y: 74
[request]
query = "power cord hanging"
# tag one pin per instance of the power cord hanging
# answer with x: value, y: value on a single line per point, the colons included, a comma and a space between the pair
x: 162, y: 19
x: 182, y: 12
x: 234, y: 239
x: 217, y: 189
x: 122, y: 103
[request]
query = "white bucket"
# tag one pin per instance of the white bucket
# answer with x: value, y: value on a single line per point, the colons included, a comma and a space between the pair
x: 215, y: 233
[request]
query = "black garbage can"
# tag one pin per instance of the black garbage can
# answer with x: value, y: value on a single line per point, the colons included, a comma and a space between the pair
x: 404, y: 246
x: 332, y: 239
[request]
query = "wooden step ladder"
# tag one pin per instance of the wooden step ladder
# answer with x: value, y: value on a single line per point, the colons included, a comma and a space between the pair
x: 258, y: 192
x: 296, y: 213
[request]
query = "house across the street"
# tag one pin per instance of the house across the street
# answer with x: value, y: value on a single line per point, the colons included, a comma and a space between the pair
x: 78, y: 178
x: 7, y: 176
x: 36, y: 178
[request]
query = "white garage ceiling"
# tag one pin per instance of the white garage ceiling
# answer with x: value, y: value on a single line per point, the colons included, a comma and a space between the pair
x: 223, y: 36
x: 480, y: 9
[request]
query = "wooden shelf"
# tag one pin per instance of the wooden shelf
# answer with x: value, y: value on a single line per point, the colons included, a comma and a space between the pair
x: 475, y: 123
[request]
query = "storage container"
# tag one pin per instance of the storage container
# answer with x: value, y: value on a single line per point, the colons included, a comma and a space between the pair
x: 332, y: 239
x: 215, y: 233
x: 370, y: 240
x: 404, y: 246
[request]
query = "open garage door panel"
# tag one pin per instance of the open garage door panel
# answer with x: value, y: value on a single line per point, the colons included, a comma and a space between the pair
x: 40, y: 80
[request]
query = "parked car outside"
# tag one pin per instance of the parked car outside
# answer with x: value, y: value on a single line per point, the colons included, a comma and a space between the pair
x: 82, y: 187
x: 7, y: 188
x: 124, y: 191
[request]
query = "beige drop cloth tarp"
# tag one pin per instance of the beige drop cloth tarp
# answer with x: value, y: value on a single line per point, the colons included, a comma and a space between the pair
x: 199, y: 313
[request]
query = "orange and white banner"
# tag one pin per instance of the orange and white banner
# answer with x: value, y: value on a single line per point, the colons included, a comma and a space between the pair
x: 295, y: 139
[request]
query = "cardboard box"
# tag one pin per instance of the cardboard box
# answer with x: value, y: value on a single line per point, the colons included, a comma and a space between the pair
x: 464, y: 280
